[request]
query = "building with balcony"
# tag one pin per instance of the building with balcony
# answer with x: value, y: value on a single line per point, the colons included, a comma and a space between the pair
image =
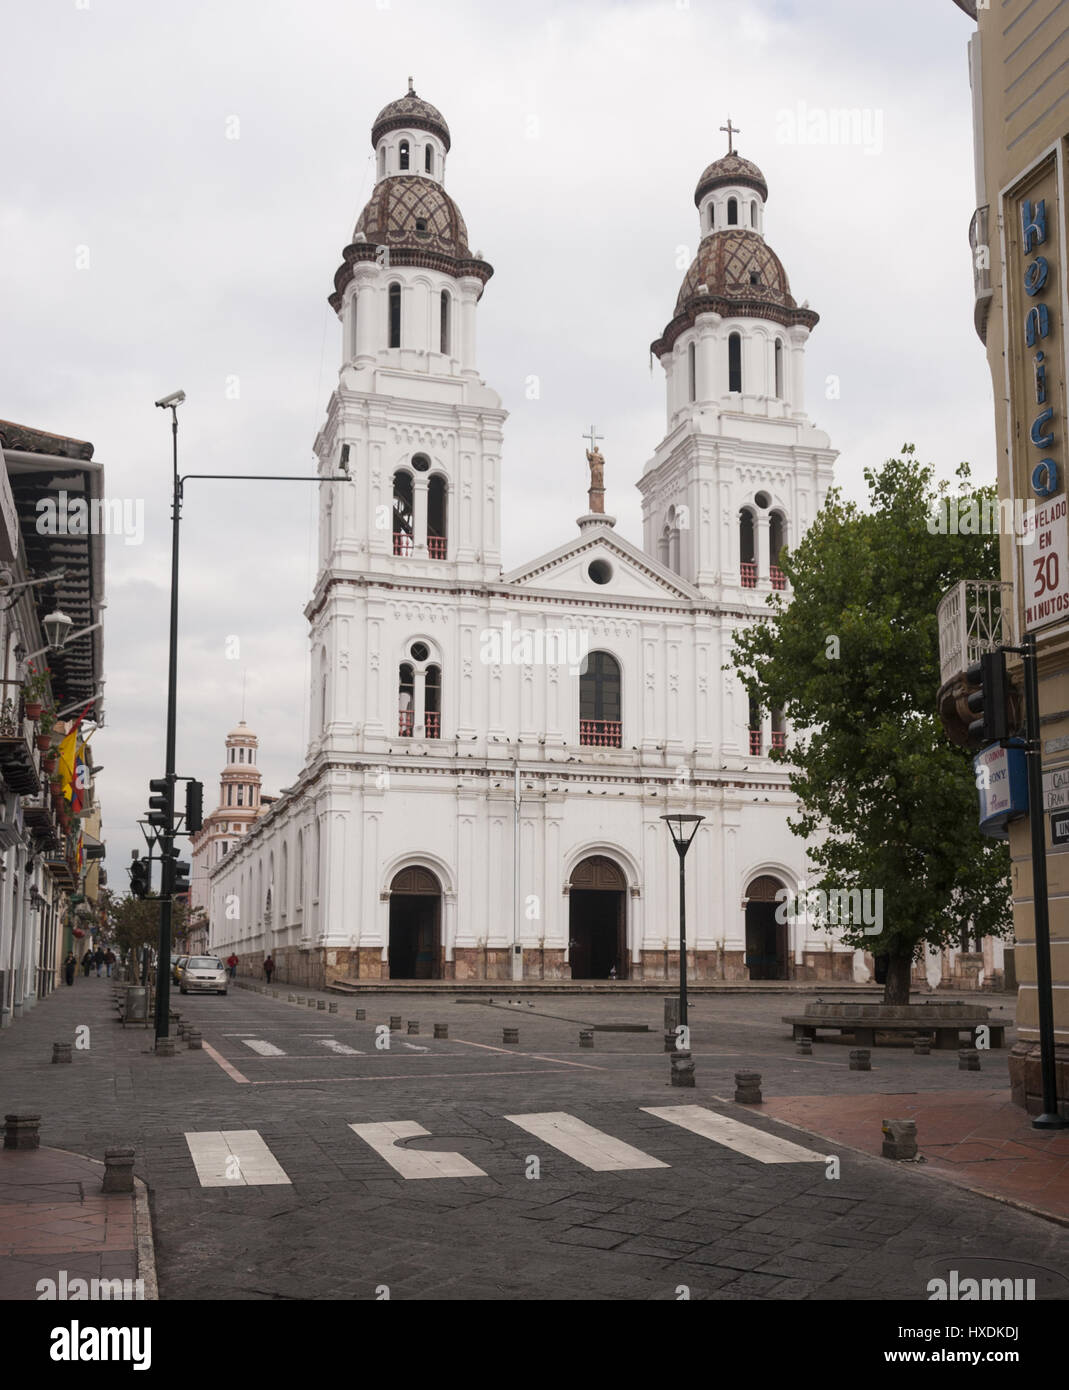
x: 1017, y: 60
x: 45, y: 857
x: 492, y: 750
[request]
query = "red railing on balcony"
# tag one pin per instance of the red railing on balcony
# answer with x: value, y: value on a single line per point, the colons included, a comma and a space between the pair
x: 779, y: 579
x: 402, y: 543
x: 404, y: 722
x: 600, y: 733
x: 436, y: 547
x: 432, y: 724
x: 779, y: 740
x: 749, y: 574
x: 755, y: 743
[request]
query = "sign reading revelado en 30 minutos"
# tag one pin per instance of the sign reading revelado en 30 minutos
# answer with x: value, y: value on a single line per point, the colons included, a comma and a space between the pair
x: 1045, y: 562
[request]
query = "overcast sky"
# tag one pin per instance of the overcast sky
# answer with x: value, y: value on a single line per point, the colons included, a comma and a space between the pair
x: 579, y: 131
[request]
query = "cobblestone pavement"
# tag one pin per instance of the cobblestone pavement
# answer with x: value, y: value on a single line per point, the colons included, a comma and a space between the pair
x: 342, y: 1222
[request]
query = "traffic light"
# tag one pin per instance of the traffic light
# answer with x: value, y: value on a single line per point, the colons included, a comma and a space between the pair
x: 990, y: 700
x: 194, y: 807
x: 140, y: 870
x: 181, y: 876
x: 160, y: 810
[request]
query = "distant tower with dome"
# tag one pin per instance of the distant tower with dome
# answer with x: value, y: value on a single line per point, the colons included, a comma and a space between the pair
x: 241, y: 802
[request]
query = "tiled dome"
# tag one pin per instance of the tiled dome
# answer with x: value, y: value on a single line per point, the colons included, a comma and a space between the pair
x: 413, y: 211
x: 731, y: 169
x: 737, y: 264
x: 410, y: 110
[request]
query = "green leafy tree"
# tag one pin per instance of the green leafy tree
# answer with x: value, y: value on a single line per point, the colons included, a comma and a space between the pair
x: 135, y: 922
x: 887, y: 802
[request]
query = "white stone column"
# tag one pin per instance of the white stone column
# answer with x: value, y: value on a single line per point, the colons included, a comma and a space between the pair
x: 707, y: 325
x: 761, y: 539
x: 468, y: 294
x: 794, y: 380
x: 419, y: 513
x: 368, y: 308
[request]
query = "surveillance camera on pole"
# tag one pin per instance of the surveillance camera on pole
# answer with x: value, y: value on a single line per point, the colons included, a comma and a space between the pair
x: 175, y: 398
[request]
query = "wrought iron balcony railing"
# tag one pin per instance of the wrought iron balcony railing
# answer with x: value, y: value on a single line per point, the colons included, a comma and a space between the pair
x: 976, y: 616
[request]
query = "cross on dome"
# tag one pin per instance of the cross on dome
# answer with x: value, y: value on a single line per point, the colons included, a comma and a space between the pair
x: 729, y: 128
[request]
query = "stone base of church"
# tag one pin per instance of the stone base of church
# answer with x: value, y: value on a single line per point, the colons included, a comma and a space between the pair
x: 1026, y: 1078
x: 479, y: 963
x: 825, y: 965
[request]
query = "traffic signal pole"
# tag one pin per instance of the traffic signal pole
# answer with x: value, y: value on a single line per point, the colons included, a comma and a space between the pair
x: 167, y: 849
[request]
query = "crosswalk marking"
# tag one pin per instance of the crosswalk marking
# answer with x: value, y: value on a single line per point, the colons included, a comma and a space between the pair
x: 233, y: 1158
x: 265, y: 1049
x: 342, y: 1049
x: 744, y: 1139
x: 583, y: 1142
x: 413, y: 1047
x: 409, y: 1163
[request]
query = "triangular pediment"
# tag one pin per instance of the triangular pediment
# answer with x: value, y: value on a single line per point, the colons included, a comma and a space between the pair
x: 626, y: 572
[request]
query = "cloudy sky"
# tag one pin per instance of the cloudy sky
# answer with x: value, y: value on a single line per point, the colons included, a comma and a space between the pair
x: 144, y: 248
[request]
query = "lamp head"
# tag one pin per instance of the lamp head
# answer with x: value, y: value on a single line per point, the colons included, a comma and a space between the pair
x: 682, y: 828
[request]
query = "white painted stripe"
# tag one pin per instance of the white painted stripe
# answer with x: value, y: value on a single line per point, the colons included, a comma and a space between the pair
x: 265, y: 1049
x: 413, y: 1047
x: 744, y: 1139
x: 583, y: 1142
x: 233, y: 1158
x: 410, y: 1163
x: 341, y: 1048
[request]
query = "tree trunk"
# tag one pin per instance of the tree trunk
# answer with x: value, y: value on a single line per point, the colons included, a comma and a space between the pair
x: 896, y: 986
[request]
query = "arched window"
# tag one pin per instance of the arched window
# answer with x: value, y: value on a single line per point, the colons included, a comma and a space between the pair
x: 230, y: 793
x: 777, y: 540
x: 444, y: 330
x: 432, y: 702
x: 353, y: 303
x: 322, y: 690
x: 241, y: 793
x: 779, y: 369
x: 664, y: 544
x: 753, y: 212
x: 599, y: 702
x: 298, y: 874
x: 315, y: 862
x: 251, y: 751
x: 779, y: 729
x: 403, y: 513
x: 436, y: 517
x: 241, y: 755
x: 747, y: 556
x: 733, y: 212
x: 692, y: 372
x: 712, y: 217
x: 403, y: 152
x: 395, y: 315
x: 284, y: 882
x: 382, y: 161
x: 406, y: 700
x: 735, y: 362
x: 428, y: 158
x: 755, y: 728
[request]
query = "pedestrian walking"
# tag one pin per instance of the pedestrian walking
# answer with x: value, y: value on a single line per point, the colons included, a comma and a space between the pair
x: 87, y: 963
x: 98, y: 960
x: 109, y: 960
x: 232, y: 964
x: 269, y: 966
x: 70, y: 965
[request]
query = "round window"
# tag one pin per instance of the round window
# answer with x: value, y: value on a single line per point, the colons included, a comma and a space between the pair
x: 419, y: 651
x: 600, y: 571
x: 762, y: 499
x: 420, y: 462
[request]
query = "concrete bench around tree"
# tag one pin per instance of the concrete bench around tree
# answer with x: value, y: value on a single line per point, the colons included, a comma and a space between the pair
x: 943, y: 1020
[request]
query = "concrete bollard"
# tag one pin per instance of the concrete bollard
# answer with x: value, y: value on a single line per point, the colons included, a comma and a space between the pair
x: 805, y: 1047
x: 395, y: 1023
x: 332, y: 1008
x: 311, y: 1003
x: 441, y: 1030
x: 682, y: 1067
x: 61, y: 1052
x: 669, y: 1042
x: 183, y: 1029
x: 321, y: 1005
x: 510, y: 1035
x: 748, y: 1087
x: 274, y: 994
x: 360, y: 1015
x: 921, y: 1047
x: 291, y: 999
x: 586, y: 1037
x: 165, y: 1047
x: 968, y: 1059
x: 860, y: 1059
x: 900, y: 1138
x: 193, y: 1038
x: 413, y: 1027
x: 118, y: 1170
x: 22, y: 1131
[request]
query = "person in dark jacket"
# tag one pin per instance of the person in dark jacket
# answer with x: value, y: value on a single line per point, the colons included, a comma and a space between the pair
x: 70, y: 965
x: 269, y: 967
x: 87, y: 963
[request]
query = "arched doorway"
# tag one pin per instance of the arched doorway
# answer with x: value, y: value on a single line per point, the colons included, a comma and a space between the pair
x: 415, y: 925
x: 766, y: 939
x: 597, y: 920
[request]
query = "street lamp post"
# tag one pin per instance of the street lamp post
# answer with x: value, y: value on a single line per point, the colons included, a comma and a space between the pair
x: 682, y: 828
x: 168, y: 853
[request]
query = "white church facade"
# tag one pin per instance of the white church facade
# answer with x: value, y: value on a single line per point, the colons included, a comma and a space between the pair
x: 492, y: 752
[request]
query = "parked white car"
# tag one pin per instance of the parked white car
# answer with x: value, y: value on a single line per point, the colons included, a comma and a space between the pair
x: 203, y: 973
